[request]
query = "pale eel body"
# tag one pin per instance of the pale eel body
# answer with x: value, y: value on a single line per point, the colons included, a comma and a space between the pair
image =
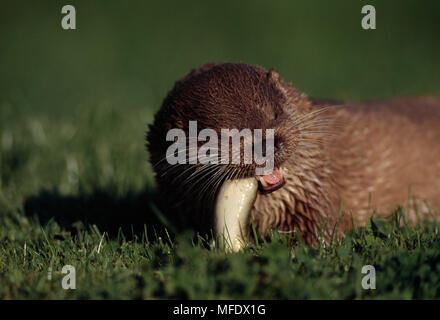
x: 232, y: 209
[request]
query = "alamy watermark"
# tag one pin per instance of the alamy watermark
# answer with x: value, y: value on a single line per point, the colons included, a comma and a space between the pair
x: 369, y: 20
x: 257, y: 147
x: 69, y: 280
x: 369, y: 281
x: 69, y: 20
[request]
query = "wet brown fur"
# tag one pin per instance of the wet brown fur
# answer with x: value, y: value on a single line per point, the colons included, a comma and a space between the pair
x: 369, y: 157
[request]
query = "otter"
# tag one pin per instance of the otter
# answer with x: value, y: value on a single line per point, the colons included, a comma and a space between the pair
x: 336, y: 163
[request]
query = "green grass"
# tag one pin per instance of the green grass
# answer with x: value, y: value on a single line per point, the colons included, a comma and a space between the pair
x: 75, y: 183
x: 407, y: 263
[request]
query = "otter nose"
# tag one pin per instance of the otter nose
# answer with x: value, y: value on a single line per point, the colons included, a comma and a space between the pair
x: 276, y: 146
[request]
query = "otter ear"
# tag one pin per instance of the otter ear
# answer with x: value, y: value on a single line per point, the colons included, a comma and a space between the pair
x: 274, y: 77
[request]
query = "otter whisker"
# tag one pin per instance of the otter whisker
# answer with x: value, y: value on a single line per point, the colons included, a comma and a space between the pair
x: 187, y: 150
x: 209, y: 185
x: 310, y: 115
x: 201, y: 174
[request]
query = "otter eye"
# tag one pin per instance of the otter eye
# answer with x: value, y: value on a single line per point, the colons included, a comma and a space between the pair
x: 277, y: 112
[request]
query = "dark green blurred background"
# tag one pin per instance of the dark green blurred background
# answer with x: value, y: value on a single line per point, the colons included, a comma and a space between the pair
x: 129, y: 53
x: 75, y: 104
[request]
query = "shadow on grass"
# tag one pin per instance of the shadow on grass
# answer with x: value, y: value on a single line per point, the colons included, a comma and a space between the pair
x: 131, y: 213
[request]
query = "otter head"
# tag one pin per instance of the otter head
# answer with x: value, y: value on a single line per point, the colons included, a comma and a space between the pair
x: 221, y: 98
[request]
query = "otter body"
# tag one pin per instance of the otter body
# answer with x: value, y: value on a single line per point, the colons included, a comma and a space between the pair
x: 337, y: 160
x: 380, y: 155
